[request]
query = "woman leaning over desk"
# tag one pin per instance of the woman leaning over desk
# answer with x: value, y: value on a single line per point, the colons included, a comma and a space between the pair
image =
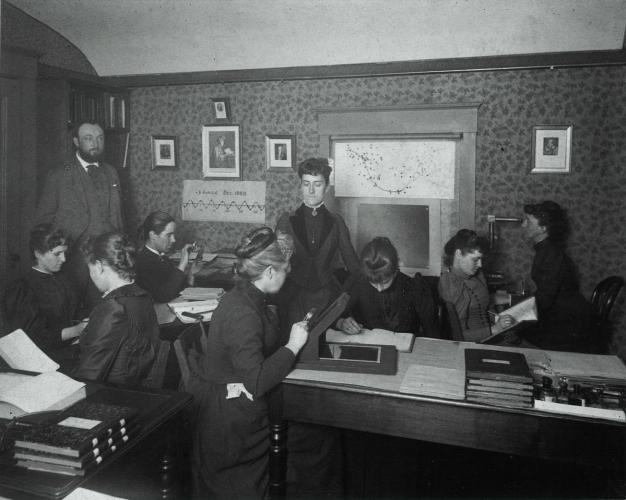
x: 243, y: 363
x: 564, y: 314
x: 386, y: 298
x: 464, y: 285
x: 43, y: 302
x: 119, y: 343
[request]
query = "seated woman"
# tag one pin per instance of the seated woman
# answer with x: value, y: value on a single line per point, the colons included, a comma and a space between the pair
x: 120, y: 340
x: 156, y: 273
x: 43, y: 302
x: 244, y: 362
x: 463, y: 284
x: 386, y: 298
x: 564, y: 314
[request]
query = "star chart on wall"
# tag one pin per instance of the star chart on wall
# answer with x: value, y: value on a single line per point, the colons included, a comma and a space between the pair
x: 225, y: 201
x: 406, y: 168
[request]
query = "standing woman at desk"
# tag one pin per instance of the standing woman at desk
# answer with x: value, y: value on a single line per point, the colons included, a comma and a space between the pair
x: 156, y: 273
x: 119, y: 343
x: 322, y: 251
x: 243, y: 363
x: 564, y: 314
x: 43, y: 302
x: 464, y: 285
x: 321, y: 239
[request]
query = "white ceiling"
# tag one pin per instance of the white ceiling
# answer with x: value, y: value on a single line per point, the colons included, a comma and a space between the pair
x: 136, y: 37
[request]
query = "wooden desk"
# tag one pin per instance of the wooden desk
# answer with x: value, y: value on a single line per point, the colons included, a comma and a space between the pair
x: 522, y: 432
x: 157, y: 409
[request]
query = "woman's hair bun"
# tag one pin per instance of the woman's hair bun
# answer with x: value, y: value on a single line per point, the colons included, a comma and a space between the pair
x: 255, y: 242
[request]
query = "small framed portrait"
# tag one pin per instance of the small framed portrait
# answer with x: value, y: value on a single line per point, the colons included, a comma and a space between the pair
x: 221, y: 151
x: 280, y: 152
x: 164, y: 152
x: 221, y: 108
x: 551, y: 149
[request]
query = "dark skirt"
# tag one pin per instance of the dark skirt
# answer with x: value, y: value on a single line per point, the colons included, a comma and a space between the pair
x: 231, y: 443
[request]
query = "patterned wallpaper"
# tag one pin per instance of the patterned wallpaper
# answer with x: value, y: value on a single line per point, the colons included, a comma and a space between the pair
x: 21, y: 30
x: 591, y: 99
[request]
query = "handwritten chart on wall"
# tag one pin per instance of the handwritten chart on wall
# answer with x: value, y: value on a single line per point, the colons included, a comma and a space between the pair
x: 404, y: 168
x: 224, y: 201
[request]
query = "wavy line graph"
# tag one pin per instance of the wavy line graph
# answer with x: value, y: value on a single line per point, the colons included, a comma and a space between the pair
x: 224, y: 201
x: 227, y: 206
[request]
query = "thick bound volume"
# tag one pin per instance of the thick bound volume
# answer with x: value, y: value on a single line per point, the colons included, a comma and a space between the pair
x: 104, y: 448
x: 55, y: 464
x: 498, y: 378
x: 497, y: 365
x: 79, y: 429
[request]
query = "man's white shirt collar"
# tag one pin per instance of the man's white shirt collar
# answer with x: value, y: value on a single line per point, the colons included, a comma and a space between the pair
x: 85, y: 163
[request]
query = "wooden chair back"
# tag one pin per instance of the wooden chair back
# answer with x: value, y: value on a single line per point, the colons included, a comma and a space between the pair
x: 451, y: 322
x: 189, y: 344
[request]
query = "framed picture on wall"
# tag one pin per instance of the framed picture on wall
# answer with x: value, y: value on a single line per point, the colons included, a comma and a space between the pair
x: 164, y: 152
x: 221, y: 108
x: 280, y: 152
x: 551, y: 149
x: 221, y: 152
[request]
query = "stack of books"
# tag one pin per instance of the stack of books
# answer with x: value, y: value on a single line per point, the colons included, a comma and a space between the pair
x: 498, y: 378
x: 77, y: 440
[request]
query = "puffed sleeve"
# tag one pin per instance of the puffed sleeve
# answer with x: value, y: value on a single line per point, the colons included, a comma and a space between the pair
x: 100, y: 340
x: 258, y: 374
x: 22, y: 310
x: 349, y: 256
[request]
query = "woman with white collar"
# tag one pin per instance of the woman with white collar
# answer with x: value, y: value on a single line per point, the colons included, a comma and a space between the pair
x: 43, y: 302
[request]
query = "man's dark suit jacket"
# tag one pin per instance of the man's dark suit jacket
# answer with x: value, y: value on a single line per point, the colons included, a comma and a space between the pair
x: 64, y: 201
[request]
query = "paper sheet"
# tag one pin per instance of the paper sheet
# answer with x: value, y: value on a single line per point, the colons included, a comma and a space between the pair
x: 21, y: 353
x: 401, y: 341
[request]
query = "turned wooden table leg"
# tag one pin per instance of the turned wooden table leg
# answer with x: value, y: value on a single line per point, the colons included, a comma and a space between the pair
x: 278, y: 459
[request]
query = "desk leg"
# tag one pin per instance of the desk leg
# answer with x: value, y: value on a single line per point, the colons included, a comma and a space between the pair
x: 278, y: 459
x: 167, y: 479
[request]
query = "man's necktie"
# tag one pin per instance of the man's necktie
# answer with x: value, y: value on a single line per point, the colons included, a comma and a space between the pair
x: 92, y: 170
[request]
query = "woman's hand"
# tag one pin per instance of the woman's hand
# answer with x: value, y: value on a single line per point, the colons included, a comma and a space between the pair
x: 73, y: 331
x: 349, y: 325
x: 503, y: 322
x: 298, y: 336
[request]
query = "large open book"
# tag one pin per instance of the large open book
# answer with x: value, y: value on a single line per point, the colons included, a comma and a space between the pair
x: 402, y: 341
x: 524, y: 311
x: 31, y: 383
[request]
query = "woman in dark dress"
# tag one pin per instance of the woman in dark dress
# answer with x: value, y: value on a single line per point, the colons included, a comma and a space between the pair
x: 564, y: 314
x: 43, y: 302
x: 156, y: 273
x: 386, y: 298
x: 121, y: 338
x: 243, y: 363
x: 321, y: 240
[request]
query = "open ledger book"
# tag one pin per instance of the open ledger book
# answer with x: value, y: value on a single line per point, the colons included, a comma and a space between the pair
x: 403, y: 341
x: 31, y: 383
x: 523, y: 311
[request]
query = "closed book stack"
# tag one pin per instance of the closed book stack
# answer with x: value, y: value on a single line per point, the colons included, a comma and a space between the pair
x: 498, y: 378
x: 78, y: 440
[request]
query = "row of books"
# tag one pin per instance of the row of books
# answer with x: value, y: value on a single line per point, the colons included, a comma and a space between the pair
x: 77, y: 440
x: 498, y: 378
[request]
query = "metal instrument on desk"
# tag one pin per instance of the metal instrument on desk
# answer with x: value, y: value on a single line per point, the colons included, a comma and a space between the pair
x: 491, y: 221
